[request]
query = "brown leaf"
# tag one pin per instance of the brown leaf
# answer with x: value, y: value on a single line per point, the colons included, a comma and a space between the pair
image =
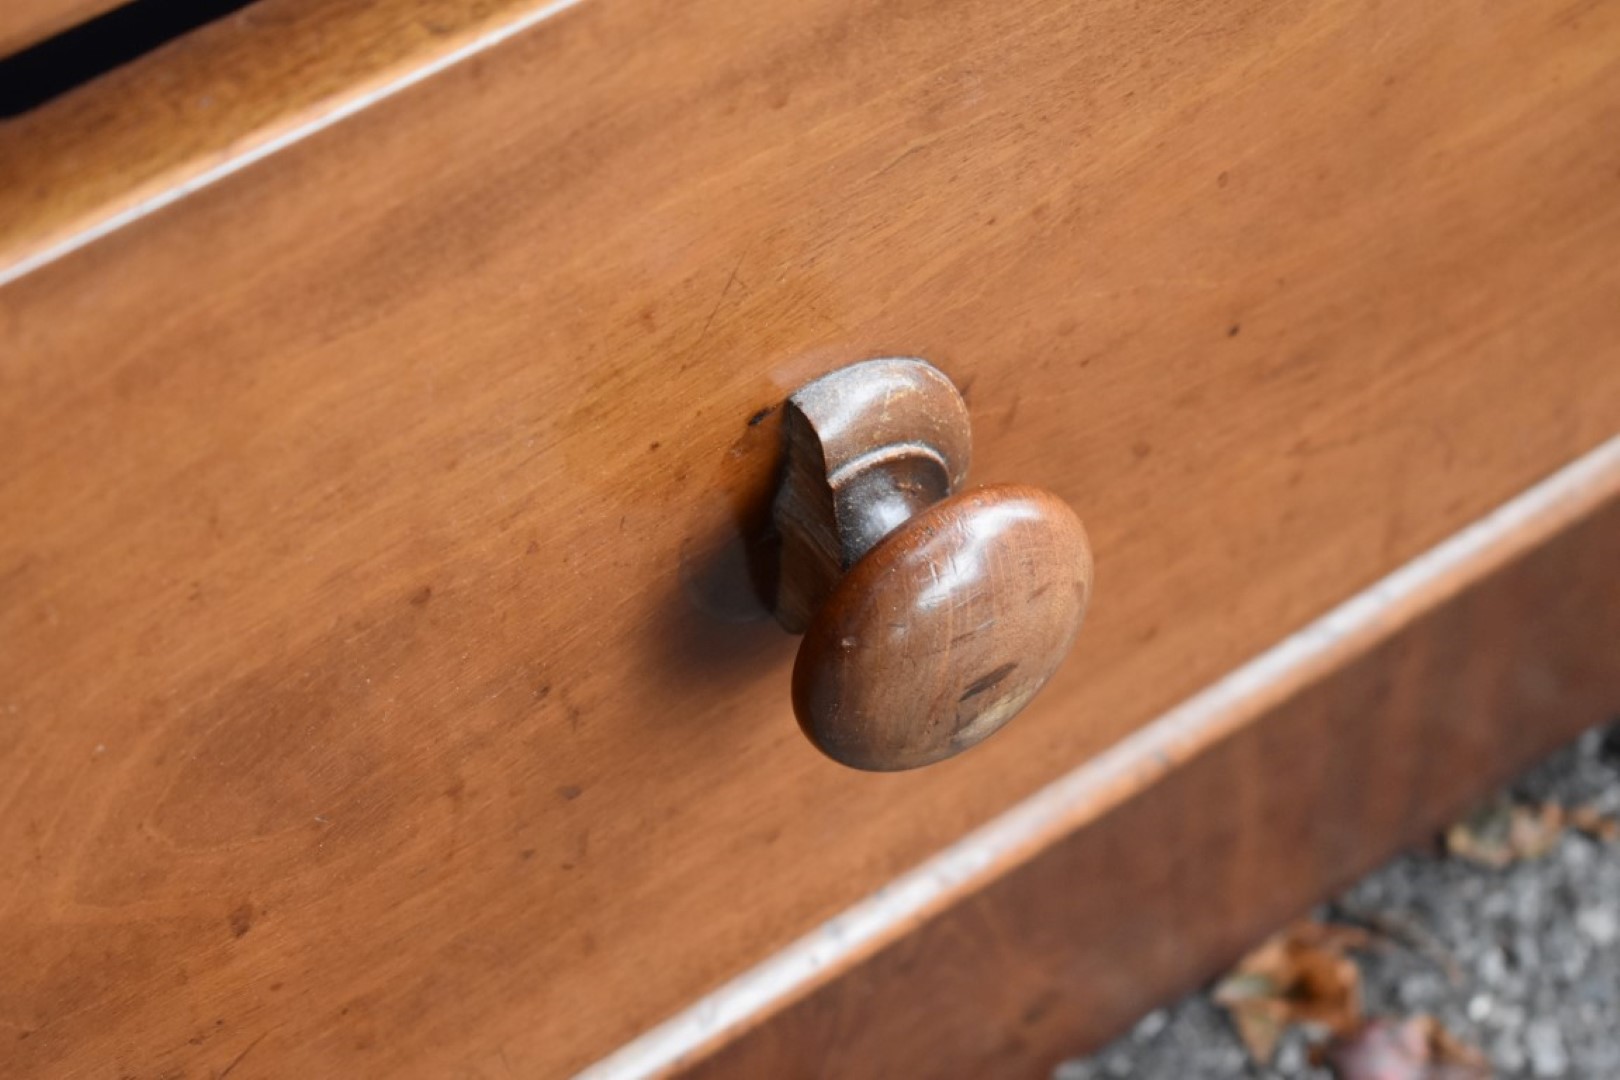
x: 1502, y: 833
x: 1406, y: 931
x: 1260, y: 1024
x: 1415, y: 1049
x: 1594, y: 824
x: 1300, y: 976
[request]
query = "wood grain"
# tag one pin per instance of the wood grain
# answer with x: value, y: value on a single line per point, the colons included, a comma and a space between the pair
x: 864, y: 448
x: 931, y: 616
x: 25, y: 22
x: 369, y: 705
x: 213, y: 99
x: 944, y: 631
x: 1167, y: 889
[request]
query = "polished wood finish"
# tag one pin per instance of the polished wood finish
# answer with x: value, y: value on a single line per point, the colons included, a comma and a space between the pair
x: 932, y: 619
x: 864, y: 448
x: 368, y: 704
x: 1162, y: 891
x: 26, y: 22
x: 945, y: 630
x: 211, y: 100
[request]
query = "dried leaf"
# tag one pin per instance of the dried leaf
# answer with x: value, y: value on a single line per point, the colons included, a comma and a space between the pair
x: 1503, y: 833
x: 1406, y: 931
x: 1260, y: 1024
x: 1415, y: 1049
x: 1446, y: 1049
x: 1598, y: 826
x: 1300, y: 976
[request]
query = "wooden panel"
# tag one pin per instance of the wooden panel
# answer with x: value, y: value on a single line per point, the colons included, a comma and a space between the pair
x: 363, y: 714
x: 214, y: 98
x: 24, y: 22
x: 1166, y: 890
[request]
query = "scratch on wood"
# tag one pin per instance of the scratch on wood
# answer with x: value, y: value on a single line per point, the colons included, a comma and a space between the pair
x: 913, y: 149
x: 237, y: 1060
x: 730, y: 281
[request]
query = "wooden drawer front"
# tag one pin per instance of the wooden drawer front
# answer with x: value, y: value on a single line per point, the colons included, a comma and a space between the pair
x: 359, y: 711
x: 27, y: 22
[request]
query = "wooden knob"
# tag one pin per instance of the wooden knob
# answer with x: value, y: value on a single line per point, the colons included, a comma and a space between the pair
x: 930, y: 617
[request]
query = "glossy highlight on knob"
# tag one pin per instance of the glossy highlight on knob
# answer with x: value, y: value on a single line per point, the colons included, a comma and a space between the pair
x: 931, y: 615
x: 944, y: 630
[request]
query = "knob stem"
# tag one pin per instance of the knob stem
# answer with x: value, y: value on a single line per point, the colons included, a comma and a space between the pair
x: 867, y: 448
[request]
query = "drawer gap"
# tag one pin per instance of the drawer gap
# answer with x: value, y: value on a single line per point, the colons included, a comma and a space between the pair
x: 82, y: 53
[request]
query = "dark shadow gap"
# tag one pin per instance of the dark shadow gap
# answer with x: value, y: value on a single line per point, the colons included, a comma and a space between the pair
x: 30, y: 78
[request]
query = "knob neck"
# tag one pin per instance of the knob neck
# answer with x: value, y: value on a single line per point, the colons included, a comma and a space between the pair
x: 867, y: 448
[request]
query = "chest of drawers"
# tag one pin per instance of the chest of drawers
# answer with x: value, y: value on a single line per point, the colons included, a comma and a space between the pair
x: 387, y: 393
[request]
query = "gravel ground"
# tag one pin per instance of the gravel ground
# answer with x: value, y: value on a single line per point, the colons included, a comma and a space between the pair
x: 1523, y: 963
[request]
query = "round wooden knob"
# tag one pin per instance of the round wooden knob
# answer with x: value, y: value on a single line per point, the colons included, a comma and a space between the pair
x: 943, y: 631
x: 930, y: 617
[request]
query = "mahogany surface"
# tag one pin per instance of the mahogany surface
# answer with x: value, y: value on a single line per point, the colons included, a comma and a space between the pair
x: 25, y: 22
x: 209, y: 100
x: 369, y: 701
x: 1167, y: 889
x: 864, y: 448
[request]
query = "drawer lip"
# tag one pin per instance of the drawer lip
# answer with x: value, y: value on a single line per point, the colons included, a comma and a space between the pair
x: 1089, y: 792
x: 27, y: 25
x: 134, y: 141
x: 431, y: 430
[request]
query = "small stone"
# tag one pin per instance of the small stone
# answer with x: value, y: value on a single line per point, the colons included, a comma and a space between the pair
x: 1590, y: 745
x: 1493, y: 966
x: 1526, y: 951
x: 1291, y: 1056
x: 1150, y: 1025
x: 1479, y: 1008
x: 1576, y: 853
x: 1421, y: 989
x: 1597, y: 990
x: 1600, y: 925
x: 1529, y: 900
x: 1507, y: 1015
x: 1603, y: 1058
x: 1544, y: 1045
x: 1507, y: 1053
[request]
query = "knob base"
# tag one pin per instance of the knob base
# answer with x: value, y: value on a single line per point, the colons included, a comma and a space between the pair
x: 867, y: 447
